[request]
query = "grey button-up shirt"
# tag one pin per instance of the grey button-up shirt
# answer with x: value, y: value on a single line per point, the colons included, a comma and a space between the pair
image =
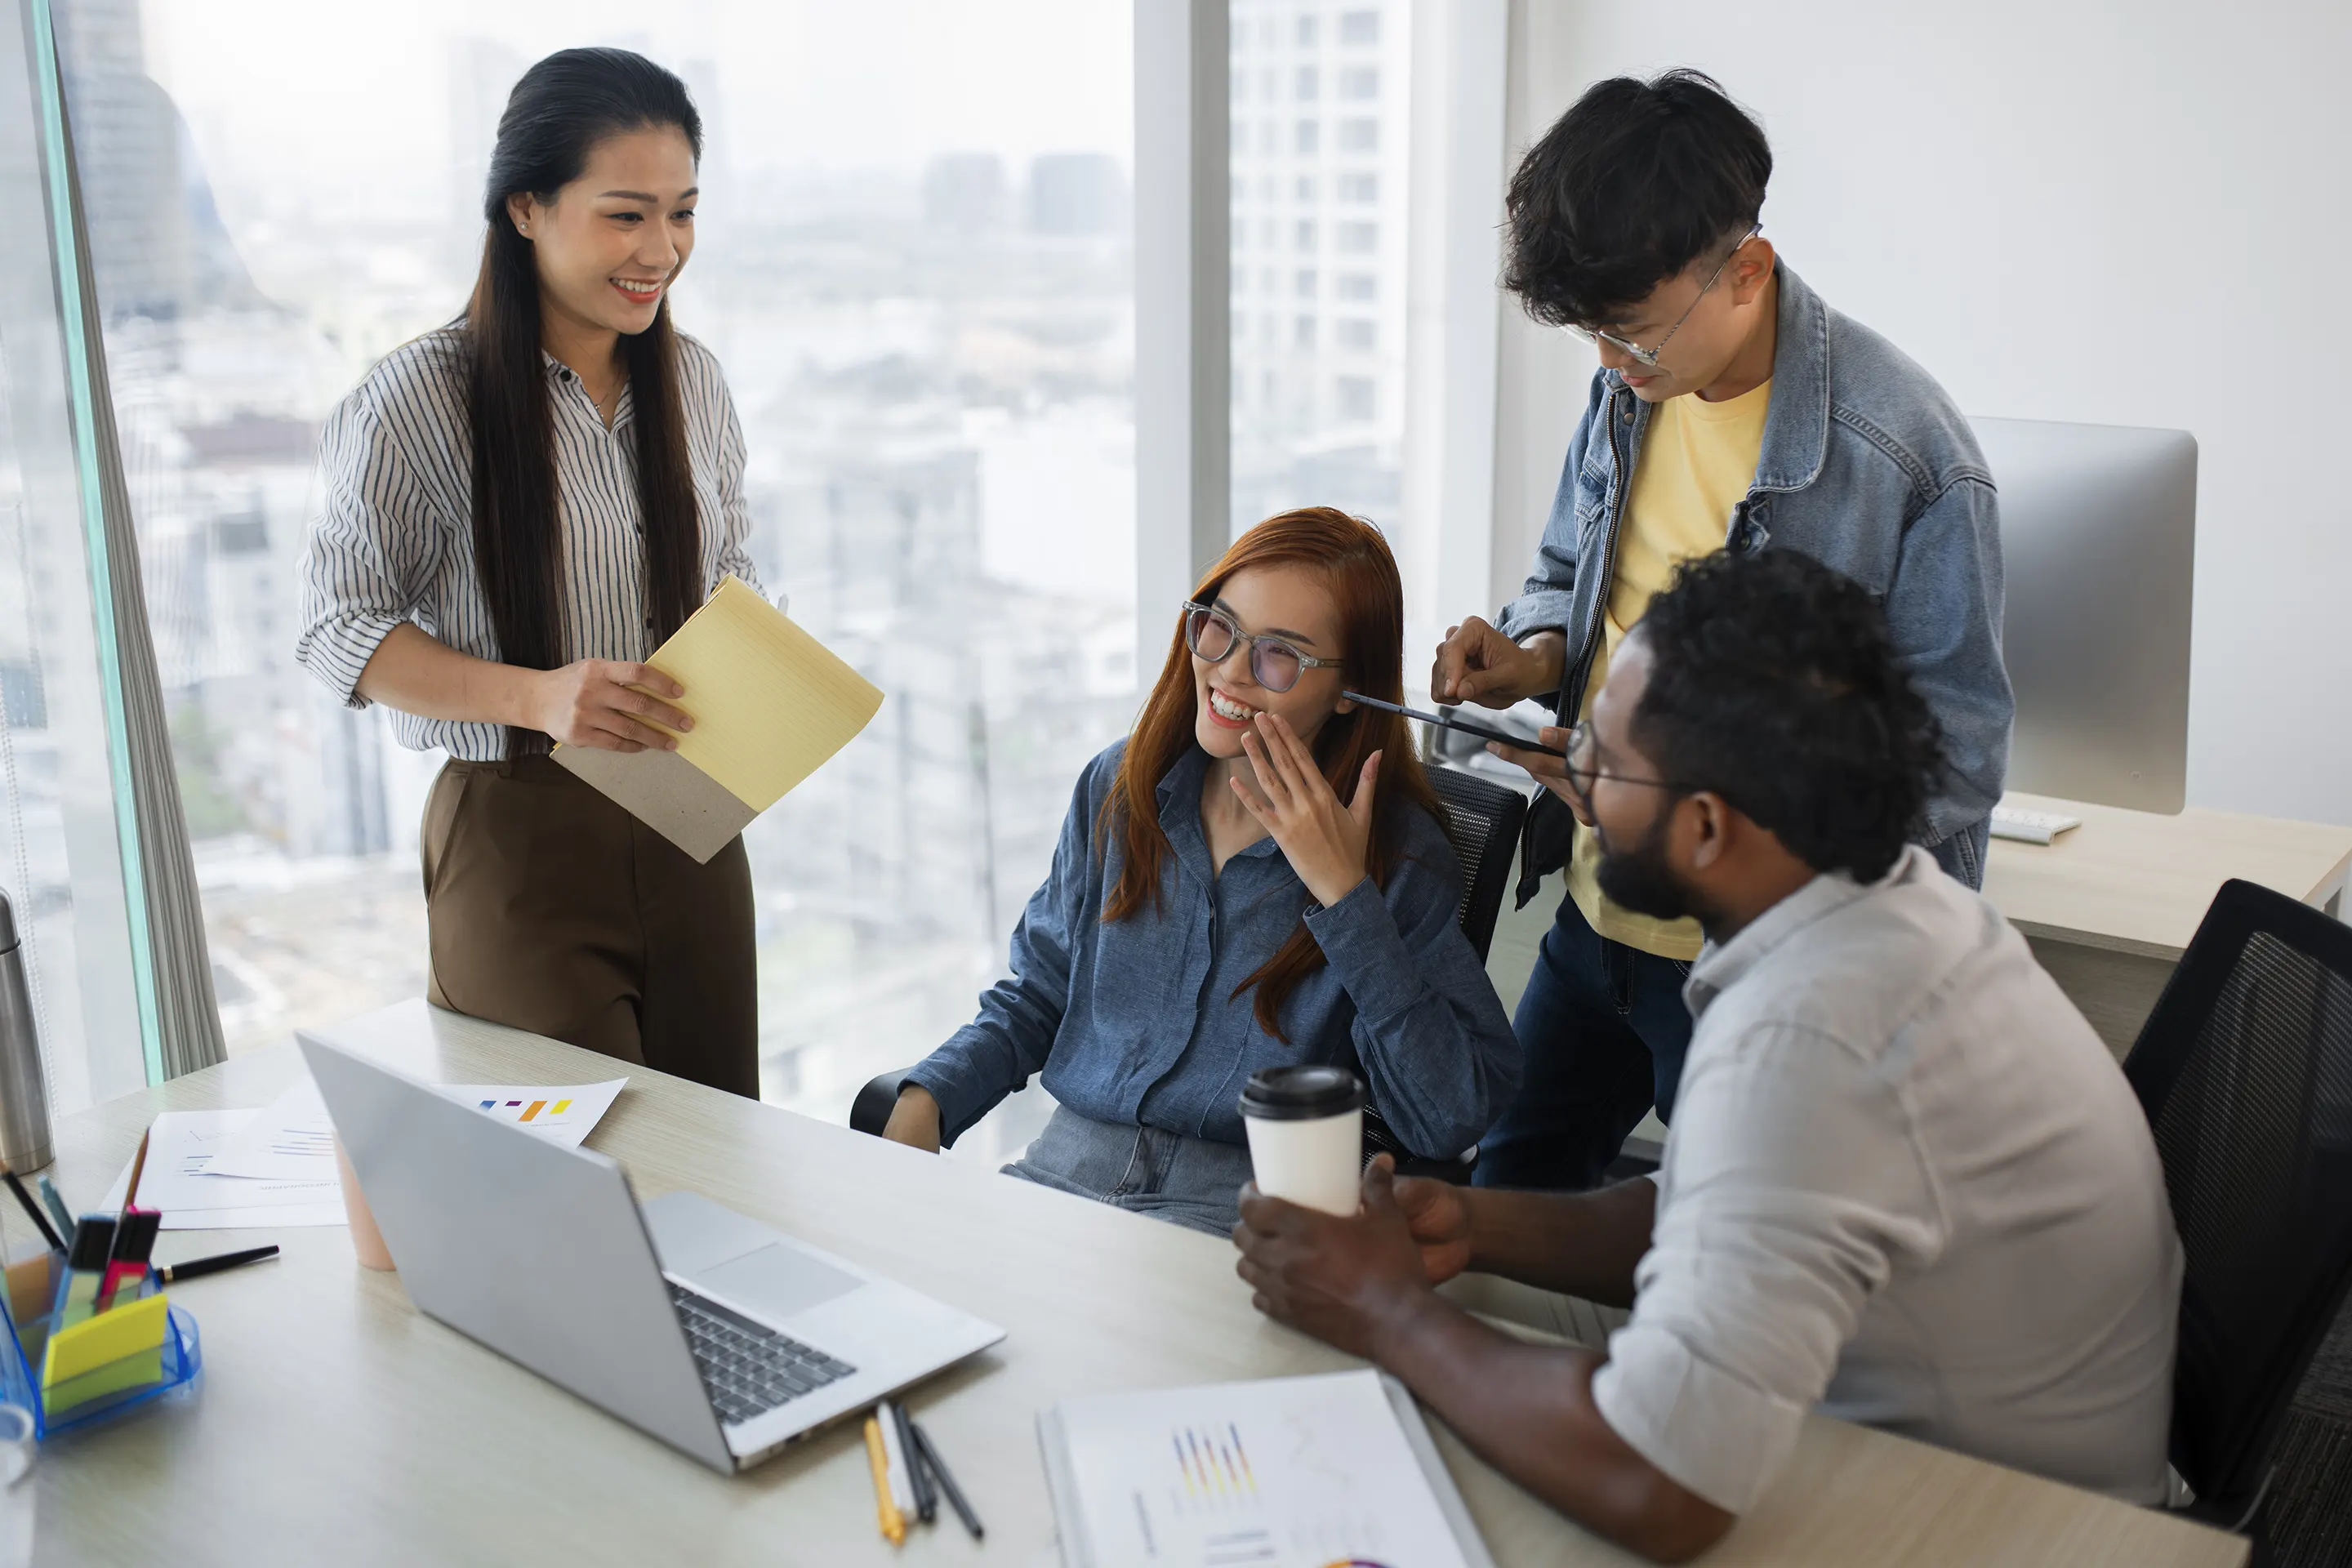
x: 1905, y: 1181
x: 1138, y: 1022
x: 394, y: 541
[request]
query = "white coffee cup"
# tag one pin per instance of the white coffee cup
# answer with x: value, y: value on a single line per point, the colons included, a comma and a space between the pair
x: 1306, y: 1127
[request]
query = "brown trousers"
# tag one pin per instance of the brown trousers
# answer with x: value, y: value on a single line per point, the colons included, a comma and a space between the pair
x: 550, y: 909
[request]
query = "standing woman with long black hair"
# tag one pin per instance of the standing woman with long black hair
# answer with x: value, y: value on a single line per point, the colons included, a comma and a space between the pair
x: 519, y: 508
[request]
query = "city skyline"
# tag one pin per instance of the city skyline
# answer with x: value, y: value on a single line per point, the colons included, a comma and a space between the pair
x: 930, y: 346
x: 937, y: 409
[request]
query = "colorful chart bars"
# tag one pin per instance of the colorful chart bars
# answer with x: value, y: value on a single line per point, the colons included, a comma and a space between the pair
x: 558, y: 1109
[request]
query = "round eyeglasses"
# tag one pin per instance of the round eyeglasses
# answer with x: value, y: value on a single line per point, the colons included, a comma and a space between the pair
x: 1275, y: 663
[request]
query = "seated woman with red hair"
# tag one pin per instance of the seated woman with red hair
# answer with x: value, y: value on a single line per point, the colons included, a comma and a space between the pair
x: 1254, y: 878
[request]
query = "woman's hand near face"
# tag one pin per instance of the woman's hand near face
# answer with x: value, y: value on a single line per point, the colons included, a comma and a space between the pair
x: 1323, y: 841
x: 608, y: 703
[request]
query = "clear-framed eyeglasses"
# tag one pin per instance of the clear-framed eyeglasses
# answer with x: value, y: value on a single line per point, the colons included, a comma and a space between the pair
x: 1275, y: 663
x: 1648, y: 358
x: 1584, y: 769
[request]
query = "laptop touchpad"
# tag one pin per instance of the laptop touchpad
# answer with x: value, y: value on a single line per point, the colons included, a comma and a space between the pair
x: 777, y: 1281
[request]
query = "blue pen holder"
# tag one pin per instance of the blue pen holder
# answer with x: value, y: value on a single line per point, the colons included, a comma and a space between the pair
x: 96, y: 1394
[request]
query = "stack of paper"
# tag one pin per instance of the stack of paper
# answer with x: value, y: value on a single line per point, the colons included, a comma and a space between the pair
x: 177, y: 1179
x: 769, y: 703
x: 236, y: 1170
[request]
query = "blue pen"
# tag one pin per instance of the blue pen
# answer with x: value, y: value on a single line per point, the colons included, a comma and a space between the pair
x: 58, y: 1210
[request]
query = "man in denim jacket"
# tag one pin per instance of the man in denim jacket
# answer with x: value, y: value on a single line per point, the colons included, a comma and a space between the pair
x: 1733, y: 409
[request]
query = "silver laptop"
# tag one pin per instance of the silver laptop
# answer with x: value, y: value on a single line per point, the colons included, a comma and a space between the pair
x: 711, y: 1332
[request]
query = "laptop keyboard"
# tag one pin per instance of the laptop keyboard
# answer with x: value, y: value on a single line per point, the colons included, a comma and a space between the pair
x: 748, y: 1368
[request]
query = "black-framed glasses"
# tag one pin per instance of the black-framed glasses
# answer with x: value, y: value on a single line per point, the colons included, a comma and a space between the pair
x: 1583, y: 771
x: 1648, y: 358
x: 1275, y: 663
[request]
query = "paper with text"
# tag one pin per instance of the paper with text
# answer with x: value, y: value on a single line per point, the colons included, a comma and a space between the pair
x: 178, y: 1179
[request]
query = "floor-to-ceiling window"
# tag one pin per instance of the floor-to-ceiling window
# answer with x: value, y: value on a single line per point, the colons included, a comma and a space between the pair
x: 1318, y: 98
x: 915, y: 266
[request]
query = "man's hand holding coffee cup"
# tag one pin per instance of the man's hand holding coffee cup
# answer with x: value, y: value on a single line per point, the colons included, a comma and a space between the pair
x: 1437, y: 1215
x: 1477, y: 663
x: 1350, y: 1281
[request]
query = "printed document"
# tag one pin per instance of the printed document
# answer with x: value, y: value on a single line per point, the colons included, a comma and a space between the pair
x: 1294, y: 1472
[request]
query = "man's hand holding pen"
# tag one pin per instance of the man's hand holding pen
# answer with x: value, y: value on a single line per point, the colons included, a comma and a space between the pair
x: 1477, y: 663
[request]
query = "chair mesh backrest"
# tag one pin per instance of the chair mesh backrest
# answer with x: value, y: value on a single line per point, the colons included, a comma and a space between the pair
x: 2245, y: 1069
x: 1482, y: 822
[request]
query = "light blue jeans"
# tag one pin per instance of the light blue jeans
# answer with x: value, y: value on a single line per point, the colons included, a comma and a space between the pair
x: 1192, y: 1182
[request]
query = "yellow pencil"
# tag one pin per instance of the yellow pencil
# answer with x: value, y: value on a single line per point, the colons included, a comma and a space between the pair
x: 893, y: 1523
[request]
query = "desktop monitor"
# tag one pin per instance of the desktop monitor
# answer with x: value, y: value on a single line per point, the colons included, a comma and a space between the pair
x: 2098, y: 533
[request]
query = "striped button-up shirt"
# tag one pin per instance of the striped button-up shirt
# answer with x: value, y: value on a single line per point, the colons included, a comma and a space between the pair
x: 394, y: 538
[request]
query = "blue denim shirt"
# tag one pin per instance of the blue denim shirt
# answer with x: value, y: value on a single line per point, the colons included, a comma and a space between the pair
x: 1137, y: 1023
x: 1866, y: 466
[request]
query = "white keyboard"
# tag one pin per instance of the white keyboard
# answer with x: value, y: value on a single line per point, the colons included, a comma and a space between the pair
x: 2030, y: 827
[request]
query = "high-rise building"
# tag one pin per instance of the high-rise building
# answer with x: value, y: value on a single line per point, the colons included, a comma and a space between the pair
x: 1318, y: 101
x: 1076, y: 194
x: 963, y: 192
x: 481, y: 73
x: 156, y: 241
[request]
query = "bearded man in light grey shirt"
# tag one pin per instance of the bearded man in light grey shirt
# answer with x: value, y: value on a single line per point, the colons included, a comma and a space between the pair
x: 1906, y: 1182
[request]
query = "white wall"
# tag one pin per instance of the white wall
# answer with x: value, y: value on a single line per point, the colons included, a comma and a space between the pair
x: 2131, y: 214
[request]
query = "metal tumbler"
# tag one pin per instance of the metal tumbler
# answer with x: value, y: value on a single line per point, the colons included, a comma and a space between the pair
x: 23, y: 1087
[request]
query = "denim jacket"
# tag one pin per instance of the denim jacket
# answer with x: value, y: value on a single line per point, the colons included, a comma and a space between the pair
x: 1138, y: 1024
x: 1866, y: 466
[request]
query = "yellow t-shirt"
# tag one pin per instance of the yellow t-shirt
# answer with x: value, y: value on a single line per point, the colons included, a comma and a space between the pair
x: 1698, y: 461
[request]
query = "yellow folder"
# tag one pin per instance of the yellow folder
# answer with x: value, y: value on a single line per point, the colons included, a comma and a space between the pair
x: 771, y: 705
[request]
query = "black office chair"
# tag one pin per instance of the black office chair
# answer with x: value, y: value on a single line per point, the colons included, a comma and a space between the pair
x: 2245, y: 1072
x: 1481, y: 819
x: 1482, y: 822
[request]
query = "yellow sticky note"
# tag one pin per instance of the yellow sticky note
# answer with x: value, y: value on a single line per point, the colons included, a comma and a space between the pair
x: 770, y: 702
x: 127, y: 1331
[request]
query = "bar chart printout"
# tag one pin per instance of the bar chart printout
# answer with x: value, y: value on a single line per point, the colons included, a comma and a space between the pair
x: 1305, y: 1472
x: 292, y: 1139
x: 560, y: 1114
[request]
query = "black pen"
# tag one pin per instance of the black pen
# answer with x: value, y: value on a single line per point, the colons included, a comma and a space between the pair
x: 197, y: 1267
x: 40, y: 1221
x: 947, y: 1482
x: 1446, y: 722
x: 926, y: 1504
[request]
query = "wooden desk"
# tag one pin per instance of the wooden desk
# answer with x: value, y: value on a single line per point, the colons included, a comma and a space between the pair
x: 336, y: 1425
x: 2110, y: 907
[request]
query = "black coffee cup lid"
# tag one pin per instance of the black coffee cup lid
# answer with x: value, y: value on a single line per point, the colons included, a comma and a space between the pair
x: 1301, y: 1094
